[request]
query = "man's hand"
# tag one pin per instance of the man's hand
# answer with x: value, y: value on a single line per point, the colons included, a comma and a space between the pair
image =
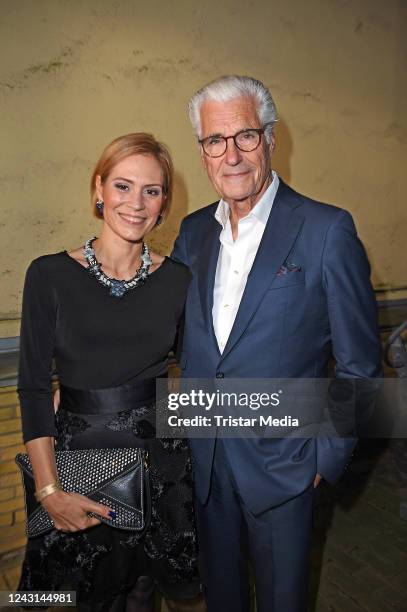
x: 317, y: 480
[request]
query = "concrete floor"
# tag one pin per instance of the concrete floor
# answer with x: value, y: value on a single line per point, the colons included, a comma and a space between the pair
x: 359, y: 557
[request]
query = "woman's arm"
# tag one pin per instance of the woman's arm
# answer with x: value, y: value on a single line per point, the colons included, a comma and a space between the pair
x: 37, y: 340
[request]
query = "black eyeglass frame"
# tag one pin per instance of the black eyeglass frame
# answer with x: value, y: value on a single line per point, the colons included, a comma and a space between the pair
x: 259, y: 131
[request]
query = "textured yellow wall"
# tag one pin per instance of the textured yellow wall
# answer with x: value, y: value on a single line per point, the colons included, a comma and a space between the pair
x: 75, y: 74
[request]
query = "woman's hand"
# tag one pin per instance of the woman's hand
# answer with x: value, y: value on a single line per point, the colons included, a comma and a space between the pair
x: 69, y: 511
x: 56, y: 399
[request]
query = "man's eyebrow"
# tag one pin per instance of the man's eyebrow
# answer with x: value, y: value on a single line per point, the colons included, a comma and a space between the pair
x: 217, y: 135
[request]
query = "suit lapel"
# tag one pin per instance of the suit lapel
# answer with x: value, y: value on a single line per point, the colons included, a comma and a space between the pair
x: 206, y: 272
x: 280, y: 233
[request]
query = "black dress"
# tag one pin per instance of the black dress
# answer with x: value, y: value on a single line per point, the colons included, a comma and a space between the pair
x: 98, y: 342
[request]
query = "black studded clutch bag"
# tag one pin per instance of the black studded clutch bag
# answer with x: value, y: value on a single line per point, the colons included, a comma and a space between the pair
x: 115, y: 477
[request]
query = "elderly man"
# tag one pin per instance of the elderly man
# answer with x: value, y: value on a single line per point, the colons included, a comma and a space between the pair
x: 280, y: 282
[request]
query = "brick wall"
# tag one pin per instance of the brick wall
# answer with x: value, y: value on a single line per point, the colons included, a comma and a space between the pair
x: 12, y: 514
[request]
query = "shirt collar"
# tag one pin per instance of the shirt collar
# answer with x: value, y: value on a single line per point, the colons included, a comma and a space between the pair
x: 261, y: 210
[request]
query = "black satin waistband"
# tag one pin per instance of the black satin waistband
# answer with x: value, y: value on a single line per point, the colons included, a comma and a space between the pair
x: 109, y: 400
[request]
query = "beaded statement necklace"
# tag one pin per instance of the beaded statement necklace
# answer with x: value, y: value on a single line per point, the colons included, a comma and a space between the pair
x: 117, y: 288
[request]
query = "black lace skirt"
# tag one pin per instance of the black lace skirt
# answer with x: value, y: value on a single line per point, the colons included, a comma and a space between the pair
x: 102, y: 563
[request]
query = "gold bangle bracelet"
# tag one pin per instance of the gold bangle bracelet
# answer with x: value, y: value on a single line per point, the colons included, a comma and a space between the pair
x: 47, y: 490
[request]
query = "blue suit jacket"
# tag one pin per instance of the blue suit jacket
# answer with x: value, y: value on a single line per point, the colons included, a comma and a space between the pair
x: 286, y: 326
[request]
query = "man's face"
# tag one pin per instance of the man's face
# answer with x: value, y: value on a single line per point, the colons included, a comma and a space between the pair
x: 237, y: 176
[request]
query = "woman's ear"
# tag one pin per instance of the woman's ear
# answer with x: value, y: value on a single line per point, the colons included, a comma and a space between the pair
x: 99, y: 187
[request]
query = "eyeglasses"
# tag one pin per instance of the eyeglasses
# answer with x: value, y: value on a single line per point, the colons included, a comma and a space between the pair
x: 245, y: 140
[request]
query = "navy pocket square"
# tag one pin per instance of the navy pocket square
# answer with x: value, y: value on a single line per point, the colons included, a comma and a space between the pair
x: 288, y: 266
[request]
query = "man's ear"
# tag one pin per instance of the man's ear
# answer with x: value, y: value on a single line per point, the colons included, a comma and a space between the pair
x: 203, y: 156
x: 272, y: 144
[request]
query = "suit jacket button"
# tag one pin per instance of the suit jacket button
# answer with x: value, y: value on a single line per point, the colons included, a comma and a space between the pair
x: 220, y: 375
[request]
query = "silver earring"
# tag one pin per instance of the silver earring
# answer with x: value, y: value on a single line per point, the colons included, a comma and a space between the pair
x: 100, y: 205
x: 159, y: 220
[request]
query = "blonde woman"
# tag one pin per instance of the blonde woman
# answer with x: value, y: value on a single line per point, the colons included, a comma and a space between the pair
x: 109, y: 334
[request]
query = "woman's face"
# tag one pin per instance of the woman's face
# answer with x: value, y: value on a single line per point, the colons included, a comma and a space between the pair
x: 133, y: 196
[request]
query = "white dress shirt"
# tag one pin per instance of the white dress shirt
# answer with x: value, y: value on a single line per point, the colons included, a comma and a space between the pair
x: 236, y: 258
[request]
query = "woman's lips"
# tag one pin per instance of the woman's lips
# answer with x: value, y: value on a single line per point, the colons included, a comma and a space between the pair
x: 131, y: 219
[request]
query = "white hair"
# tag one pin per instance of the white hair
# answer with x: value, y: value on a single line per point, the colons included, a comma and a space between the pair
x: 230, y: 87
